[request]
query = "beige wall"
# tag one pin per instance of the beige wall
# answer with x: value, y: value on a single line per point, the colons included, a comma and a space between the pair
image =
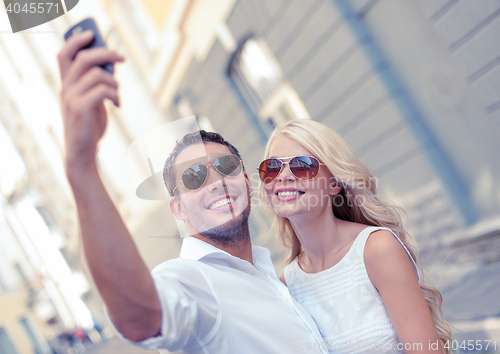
x: 13, y: 307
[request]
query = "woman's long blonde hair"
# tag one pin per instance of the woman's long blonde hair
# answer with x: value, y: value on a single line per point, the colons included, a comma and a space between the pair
x: 358, y: 184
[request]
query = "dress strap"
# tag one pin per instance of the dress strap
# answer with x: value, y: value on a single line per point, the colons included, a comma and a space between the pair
x: 363, y: 236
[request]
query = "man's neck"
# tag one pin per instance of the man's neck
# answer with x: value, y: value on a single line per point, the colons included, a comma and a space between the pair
x: 242, y: 249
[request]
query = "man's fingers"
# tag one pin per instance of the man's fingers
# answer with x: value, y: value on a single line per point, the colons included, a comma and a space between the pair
x: 67, y: 53
x: 98, y: 94
x: 80, y: 105
x: 93, y: 77
x: 87, y: 58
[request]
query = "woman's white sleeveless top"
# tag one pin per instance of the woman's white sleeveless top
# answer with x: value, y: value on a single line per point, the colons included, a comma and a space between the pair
x: 346, y: 306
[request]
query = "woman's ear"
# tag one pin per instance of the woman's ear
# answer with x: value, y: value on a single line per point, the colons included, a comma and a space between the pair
x: 335, y: 187
x: 176, y: 207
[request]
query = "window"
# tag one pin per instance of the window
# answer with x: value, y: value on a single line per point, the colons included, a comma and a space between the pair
x: 30, y: 333
x: 137, y: 30
x: 2, y: 284
x: 259, y: 78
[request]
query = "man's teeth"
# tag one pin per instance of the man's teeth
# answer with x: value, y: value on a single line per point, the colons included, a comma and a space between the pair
x: 288, y: 193
x: 221, y: 203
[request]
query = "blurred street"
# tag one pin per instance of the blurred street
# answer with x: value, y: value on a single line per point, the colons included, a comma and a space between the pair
x: 116, y: 345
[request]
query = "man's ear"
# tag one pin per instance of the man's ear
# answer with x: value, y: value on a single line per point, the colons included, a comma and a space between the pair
x: 176, y: 207
x: 249, y: 185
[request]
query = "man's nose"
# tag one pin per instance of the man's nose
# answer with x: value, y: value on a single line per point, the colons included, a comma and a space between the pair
x: 214, y: 175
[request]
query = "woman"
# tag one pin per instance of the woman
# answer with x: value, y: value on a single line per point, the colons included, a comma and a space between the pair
x: 351, y: 263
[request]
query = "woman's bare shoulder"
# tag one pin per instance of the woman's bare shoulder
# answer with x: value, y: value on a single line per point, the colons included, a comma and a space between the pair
x: 386, y: 259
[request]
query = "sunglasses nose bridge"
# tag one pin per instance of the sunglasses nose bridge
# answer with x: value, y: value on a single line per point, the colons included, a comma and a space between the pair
x: 286, y: 172
x: 213, y: 175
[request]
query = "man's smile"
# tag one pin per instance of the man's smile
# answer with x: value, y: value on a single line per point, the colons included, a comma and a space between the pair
x: 222, y: 203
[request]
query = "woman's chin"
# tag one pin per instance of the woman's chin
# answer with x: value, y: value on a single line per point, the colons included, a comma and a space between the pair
x: 286, y: 211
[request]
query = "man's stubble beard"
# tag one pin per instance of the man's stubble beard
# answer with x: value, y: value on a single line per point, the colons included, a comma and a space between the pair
x: 233, y: 233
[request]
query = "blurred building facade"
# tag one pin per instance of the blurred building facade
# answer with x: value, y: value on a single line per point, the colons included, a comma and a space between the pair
x: 411, y: 85
x: 24, y: 303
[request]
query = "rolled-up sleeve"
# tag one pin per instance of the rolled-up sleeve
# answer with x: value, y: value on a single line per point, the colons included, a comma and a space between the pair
x: 189, y: 307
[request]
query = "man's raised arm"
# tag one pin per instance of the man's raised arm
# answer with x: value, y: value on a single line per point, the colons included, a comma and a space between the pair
x: 119, y: 272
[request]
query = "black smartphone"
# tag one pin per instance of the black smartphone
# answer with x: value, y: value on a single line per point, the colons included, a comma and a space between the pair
x: 89, y: 24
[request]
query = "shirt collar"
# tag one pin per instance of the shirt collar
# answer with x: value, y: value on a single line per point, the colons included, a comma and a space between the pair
x: 196, y: 249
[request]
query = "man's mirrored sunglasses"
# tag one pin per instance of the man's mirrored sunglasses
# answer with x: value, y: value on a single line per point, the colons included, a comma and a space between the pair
x: 195, y: 176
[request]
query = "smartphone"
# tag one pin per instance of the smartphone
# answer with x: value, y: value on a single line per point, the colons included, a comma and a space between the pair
x: 89, y: 24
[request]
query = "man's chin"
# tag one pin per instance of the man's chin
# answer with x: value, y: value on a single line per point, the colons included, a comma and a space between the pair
x: 231, y: 231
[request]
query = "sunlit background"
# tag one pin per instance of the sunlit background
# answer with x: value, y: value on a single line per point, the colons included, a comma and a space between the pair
x: 413, y: 86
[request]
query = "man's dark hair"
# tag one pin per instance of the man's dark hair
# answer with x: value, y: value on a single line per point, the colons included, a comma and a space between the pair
x: 187, y: 140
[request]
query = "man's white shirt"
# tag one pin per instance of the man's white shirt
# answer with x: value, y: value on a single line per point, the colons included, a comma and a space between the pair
x: 213, y: 302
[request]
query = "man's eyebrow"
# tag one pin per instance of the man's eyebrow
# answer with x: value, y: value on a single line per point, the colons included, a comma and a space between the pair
x: 188, y: 163
x: 206, y: 158
x: 198, y: 159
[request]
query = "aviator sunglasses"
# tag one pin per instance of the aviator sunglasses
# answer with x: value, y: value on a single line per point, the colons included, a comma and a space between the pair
x: 195, y: 176
x: 302, y: 167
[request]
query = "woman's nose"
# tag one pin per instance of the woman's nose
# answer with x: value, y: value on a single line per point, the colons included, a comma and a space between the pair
x: 286, y: 173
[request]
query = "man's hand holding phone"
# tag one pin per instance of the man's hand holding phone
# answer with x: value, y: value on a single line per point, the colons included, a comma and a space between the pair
x: 117, y: 268
x: 85, y: 86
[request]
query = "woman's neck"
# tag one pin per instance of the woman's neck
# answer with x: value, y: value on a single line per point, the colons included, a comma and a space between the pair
x: 324, y: 238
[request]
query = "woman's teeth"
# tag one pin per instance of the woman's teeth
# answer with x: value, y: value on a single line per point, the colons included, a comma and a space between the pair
x: 288, y: 193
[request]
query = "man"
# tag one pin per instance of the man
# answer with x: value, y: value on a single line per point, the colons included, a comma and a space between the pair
x: 222, y: 295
